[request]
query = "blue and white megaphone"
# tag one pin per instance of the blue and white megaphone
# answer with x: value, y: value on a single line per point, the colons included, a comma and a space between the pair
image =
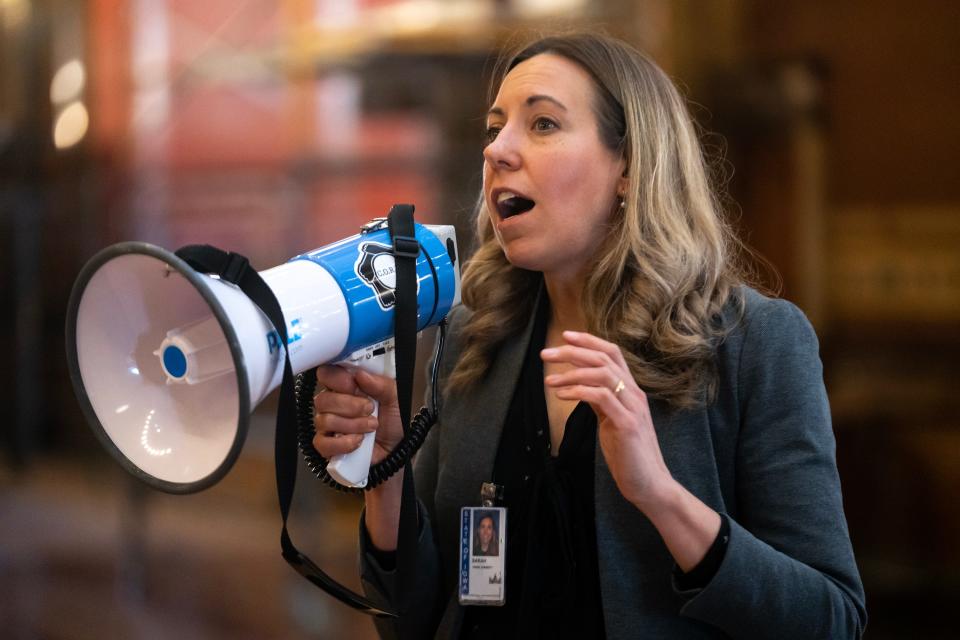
x: 168, y: 363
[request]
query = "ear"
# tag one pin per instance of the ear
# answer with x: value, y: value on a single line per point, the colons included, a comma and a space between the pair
x: 623, y: 183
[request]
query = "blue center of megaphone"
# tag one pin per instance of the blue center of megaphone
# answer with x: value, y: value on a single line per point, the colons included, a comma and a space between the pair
x: 174, y: 361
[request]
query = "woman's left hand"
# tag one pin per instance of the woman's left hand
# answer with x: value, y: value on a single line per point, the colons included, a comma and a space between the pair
x: 600, y: 377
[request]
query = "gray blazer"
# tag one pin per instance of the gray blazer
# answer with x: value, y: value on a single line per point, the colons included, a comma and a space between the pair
x: 763, y: 453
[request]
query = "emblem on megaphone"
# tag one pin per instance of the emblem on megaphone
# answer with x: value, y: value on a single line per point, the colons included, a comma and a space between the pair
x: 168, y: 363
x: 376, y: 268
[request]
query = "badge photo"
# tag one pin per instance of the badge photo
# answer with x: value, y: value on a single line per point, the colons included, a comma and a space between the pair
x: 482, y: 555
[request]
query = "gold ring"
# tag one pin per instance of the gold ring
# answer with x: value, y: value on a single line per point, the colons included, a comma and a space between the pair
x: 620, y: 387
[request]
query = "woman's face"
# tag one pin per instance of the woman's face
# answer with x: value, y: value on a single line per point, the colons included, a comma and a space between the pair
x: 486, y: 531
x: 549, y: 183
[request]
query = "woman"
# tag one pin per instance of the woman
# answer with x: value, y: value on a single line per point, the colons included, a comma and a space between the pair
x: 485, y: 541
x: 660, y: 430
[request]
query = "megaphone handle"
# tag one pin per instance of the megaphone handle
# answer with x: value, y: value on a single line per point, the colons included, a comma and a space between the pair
x: 351, y: 469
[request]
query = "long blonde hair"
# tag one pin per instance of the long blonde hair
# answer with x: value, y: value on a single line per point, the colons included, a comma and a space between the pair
x: 668, y: 264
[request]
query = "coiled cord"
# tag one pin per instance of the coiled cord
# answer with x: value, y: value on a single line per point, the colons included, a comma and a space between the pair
x: 420, y: 424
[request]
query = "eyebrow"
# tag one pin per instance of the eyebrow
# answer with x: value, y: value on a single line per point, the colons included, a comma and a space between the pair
x: 532, y: 100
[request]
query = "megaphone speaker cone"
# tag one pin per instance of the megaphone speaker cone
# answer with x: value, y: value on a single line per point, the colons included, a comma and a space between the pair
x: 177, y: 437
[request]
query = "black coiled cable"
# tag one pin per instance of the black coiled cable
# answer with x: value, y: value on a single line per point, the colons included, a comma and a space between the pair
x: 420, y: 424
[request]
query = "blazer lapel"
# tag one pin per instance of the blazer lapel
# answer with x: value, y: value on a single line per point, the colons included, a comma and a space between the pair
x: 473, y: 422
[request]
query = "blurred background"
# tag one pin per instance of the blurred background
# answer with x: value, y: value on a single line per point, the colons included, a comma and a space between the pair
x: 271, y: 128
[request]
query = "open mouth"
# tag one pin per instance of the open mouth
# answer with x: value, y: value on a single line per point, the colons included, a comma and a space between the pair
x: 510, y: 204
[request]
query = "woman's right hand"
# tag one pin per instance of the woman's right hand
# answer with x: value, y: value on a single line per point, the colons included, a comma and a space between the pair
x: 342, y: 409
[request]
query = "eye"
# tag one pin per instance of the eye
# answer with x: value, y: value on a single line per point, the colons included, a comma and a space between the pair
x: 490, y: 134
x: 544, y: 124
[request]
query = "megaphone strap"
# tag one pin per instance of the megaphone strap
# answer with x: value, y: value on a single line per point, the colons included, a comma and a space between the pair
x: 400, y: 223
x: 235, y: 268
x: 405, y: 252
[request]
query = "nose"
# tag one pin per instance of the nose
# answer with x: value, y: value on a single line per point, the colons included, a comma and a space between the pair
x: 504, y: 151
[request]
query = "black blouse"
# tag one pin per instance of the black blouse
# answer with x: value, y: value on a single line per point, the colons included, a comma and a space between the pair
x: 552, y: 579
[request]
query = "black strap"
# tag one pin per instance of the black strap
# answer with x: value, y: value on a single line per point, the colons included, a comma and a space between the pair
x: 406, y: 249
x: 235, y: 268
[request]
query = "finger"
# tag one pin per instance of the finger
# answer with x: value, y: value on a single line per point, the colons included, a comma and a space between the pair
x: 601, y: 400
x: 591, y: 376
x: 380, y: 388
x: 590, y: 341
x: 631, y: 399
x: 577, y: 356
x: 335, y: 445
x: 330, y: 423
x: 336, y: 379
x: 342, y: 404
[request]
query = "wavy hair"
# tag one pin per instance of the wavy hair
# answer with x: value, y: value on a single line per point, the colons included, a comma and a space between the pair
x: 668, y: 264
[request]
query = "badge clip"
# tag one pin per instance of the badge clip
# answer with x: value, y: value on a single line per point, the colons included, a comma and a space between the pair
x: 491, y: 494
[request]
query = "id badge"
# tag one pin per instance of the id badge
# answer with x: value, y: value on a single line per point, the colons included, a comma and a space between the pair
x: 483, y: 548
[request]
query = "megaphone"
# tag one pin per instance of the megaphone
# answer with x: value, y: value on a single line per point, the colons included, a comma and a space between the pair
x: 168, y: 363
